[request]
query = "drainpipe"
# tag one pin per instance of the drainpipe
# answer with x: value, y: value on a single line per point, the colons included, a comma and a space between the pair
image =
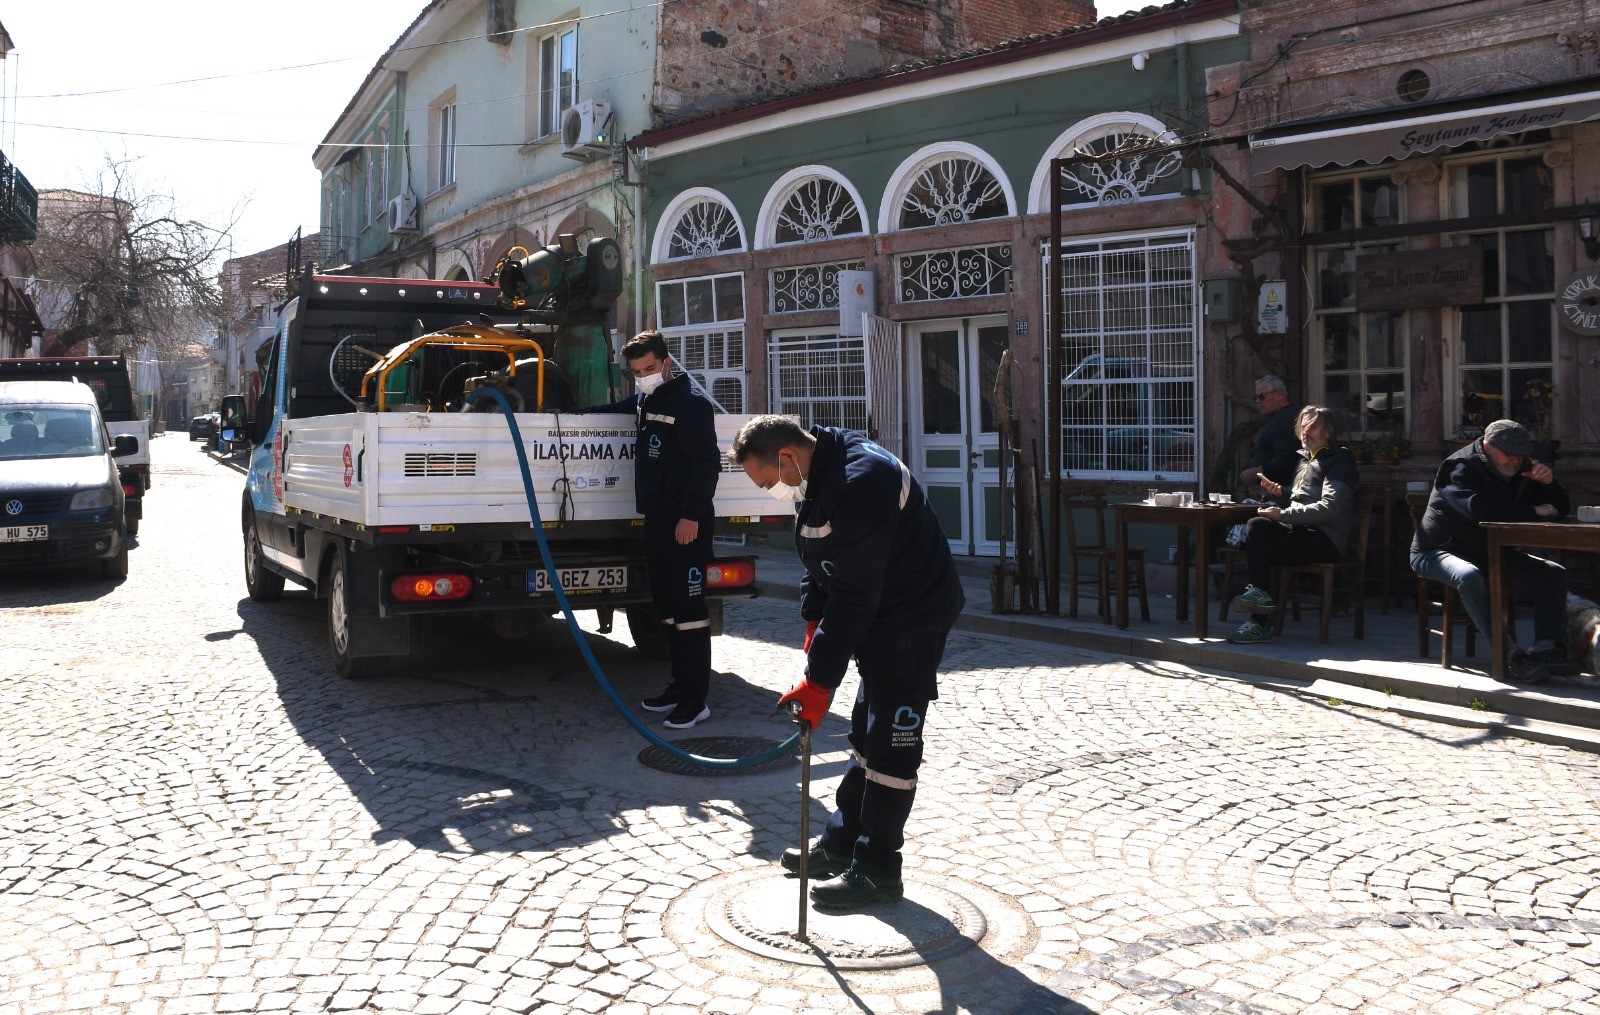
x: 1181, y: 53
x: 638, y: 244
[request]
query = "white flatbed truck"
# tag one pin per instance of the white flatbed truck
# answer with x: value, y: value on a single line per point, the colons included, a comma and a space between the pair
x: 372, y: 484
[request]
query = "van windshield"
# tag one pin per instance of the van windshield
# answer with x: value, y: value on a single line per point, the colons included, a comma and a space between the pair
x: 49, y: 431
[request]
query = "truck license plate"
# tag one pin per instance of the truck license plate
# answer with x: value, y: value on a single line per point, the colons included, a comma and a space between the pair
x: 577, y: 579
x: 23, y: 533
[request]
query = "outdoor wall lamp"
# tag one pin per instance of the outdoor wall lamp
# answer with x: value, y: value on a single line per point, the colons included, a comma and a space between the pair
x: 1588, y: 228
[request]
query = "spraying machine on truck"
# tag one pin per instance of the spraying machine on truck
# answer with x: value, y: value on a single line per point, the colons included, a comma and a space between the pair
x: 379, y: 482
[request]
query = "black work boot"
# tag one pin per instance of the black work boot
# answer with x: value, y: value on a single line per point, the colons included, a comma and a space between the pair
x: 856, y: 888
x: 820, y: 864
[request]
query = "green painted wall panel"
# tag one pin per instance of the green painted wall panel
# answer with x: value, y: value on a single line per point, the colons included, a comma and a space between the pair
x: 1014, y: 122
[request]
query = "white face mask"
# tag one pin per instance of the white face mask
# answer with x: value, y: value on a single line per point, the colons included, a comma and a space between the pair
x: 649, y: 382
x: 786, y: 492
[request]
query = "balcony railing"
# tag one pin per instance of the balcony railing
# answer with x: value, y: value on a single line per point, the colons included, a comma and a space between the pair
x: 19, y: 205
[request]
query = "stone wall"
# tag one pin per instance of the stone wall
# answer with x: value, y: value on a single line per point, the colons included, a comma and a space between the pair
x: 719, y: 53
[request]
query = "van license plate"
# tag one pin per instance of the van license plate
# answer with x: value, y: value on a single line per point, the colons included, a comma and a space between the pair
x: 23, y: 533
x: 577, y: 579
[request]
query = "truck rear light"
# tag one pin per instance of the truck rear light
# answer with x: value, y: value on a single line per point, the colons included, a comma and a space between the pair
x: 418, y: 588
x: 730, y: 574
x: 130, y: 490
x: 777, y: 518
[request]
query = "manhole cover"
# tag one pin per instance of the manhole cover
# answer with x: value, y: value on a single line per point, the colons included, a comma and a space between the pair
x: 715, y: 747
x: 760, y: 913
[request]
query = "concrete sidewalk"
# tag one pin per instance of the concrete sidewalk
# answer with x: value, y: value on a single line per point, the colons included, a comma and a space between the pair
x: 1381, y: 670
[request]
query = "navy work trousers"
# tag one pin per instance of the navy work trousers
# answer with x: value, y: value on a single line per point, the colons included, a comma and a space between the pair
x: 678, y: 590
x: 886, y: 729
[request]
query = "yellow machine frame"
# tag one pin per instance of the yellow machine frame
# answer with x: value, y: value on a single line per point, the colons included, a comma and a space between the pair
x: 465, y: 336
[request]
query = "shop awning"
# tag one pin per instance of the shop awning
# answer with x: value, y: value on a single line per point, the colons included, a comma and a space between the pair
x: 1399, y: 131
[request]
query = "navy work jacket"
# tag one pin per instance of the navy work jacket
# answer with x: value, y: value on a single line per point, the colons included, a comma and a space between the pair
x: 676, y: 459
x: 877, y: 562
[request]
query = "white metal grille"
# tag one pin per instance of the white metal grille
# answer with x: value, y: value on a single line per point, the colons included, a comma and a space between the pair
x: 820, y: 378
x: 947, y: 274
x: 715, y: 361
x: 808, y: 287
x: 426, y: 464
x: 815, y: 210
x: 1127, y: 401
x: 703, y: 229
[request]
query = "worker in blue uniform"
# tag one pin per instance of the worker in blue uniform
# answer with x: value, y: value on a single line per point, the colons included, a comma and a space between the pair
x: 676, y: 465
x: 880, y: 587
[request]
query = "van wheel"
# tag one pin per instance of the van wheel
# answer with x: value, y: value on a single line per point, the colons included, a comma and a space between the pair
x: 116, y: 567
x: 340, y: 640
x: 648, y: 632
x: 263, y: 584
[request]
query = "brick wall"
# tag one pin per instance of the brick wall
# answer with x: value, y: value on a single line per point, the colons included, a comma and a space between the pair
x: 717, y: 53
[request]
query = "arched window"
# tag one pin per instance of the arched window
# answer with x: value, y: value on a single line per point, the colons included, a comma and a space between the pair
x: 698, y: 223
x: 808, y: 205
x: 1126, y: 157
x: 946, y: 185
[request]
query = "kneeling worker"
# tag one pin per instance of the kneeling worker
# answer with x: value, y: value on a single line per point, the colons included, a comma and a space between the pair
x: 879, y: 586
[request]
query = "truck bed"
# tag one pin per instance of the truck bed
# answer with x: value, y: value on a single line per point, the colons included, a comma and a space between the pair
x: 377, y: 469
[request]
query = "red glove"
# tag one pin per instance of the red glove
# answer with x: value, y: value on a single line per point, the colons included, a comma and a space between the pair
x: 811, y: 632
x: 813, y: 701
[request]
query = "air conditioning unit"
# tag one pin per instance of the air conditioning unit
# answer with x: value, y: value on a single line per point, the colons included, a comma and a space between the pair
x: 403, y: 214
x: 586, y: 129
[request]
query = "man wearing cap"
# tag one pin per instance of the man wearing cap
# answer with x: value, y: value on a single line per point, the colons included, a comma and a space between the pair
x: 1493, y: 479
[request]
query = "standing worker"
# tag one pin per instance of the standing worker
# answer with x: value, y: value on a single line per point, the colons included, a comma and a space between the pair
x: 879, y: 586
x: 676, y: 465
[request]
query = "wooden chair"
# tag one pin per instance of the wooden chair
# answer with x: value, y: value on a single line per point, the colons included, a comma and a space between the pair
x: 1234, y: 563
x: 1101, y: 557
x: 1436, y: 599
x: 1316, y: 585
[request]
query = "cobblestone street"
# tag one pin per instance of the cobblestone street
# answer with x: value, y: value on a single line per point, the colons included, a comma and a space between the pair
x: 198, y: 815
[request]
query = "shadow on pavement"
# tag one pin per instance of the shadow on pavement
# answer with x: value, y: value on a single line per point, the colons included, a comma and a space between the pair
x: 478, y: 744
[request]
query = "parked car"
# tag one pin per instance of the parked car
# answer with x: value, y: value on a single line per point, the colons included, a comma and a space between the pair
x: 61, y: 500
x: 203, y: 427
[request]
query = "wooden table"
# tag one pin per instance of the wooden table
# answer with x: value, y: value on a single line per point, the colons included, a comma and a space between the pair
x: 1202, y: 518
x: 1503, y: 536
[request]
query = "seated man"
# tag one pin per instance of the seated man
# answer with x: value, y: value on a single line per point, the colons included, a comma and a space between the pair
x: 1493, y: 480
x: 1274, y: 457
x: 1312, y: 529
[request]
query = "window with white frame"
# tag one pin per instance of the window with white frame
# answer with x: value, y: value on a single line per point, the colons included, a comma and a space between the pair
x: 950, y: 274
x: 703, y: 228
x: 1127, y: 158
x: 558, y: 77
x: 949, y: 190
x: 444, y: 129
x: 364, y: 169
x: 1505, y: 347
x: 702, y: 320
x: 1127, y: 399
x: 821, y: 378
x: 1362, y: 369
x: 807, y: 286
x: 814, y: 210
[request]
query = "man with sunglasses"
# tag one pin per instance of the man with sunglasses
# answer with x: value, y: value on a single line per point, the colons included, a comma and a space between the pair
x: 1277, y: 449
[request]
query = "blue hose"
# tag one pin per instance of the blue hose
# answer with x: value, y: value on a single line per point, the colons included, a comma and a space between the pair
x: 577, y: 632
